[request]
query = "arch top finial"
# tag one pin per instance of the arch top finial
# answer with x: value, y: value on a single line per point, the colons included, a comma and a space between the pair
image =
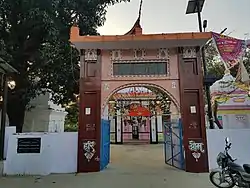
x: 137, y: 29
x: 140, y: 8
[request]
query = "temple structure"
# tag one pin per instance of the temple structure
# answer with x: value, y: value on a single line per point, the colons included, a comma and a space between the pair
x: 44, y: 116
x: 167, y: 64
x: 233, y: 102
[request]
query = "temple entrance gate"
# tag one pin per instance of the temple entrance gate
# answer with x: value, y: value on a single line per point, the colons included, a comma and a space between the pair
x: 145, y: 114
x: 171, y: 61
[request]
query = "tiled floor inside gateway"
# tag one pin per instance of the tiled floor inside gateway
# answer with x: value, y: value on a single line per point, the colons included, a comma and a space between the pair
x: 133, y: 166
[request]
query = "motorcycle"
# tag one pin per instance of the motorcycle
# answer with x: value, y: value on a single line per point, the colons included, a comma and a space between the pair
x: 229, y: 172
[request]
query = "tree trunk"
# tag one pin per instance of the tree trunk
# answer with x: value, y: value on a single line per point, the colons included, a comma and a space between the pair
x: 217, y: 122
x: 16, y: 112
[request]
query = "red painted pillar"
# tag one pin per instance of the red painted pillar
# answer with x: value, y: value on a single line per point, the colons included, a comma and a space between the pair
x: 90, y: 112
x: 193, y: 109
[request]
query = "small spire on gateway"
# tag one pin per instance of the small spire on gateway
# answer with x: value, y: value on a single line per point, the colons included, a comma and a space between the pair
x: 137, y: 29
x: 139, y: 16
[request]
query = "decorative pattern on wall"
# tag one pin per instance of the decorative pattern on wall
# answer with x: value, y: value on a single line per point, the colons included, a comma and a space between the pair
x: 139, y: 53
x: 189, y: 52
x: 163, y: 53
x: 141, y: 61
x: 116, y: 55
x: 173, y: 84
x: 197, y: 149
x: 89, y: 149
x: 105, y: 86
x: 91, y: 55
x: 171, y: 96
x: 134, y: 56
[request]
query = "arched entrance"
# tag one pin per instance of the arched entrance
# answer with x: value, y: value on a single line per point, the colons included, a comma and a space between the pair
x: 151, y: 87
x: 145, y: 114
x: 139, y: 107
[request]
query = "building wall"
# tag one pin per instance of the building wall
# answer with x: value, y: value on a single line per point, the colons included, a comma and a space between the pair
x: 111, y: 84
x: 58, y: 154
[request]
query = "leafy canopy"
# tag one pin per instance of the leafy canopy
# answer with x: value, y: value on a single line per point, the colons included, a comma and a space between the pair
x: 215, y: 66
x: 34, y: 38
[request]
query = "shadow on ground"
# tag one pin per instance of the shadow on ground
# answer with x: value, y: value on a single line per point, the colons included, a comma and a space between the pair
x: 139, y: 166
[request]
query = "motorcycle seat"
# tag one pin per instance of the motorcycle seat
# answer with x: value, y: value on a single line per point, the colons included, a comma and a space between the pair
x: 245, y: 176
x: 247, y: 168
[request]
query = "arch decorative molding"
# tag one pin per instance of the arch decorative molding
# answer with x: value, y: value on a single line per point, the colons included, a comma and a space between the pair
x: 173, y: 99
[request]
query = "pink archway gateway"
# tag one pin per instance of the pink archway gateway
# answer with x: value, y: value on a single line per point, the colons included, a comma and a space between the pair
x: 178, y: 57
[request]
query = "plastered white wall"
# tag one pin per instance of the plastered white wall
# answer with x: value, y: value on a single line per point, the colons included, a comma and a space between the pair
x: 58, y: 155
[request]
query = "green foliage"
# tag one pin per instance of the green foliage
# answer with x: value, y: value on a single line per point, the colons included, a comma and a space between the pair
x: 215, y: 66
x: 246, y: 60
x: 34, y: 38
x: 71, y: 128
x: 71, y: 120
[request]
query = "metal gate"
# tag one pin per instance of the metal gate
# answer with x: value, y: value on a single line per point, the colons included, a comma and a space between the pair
x: 173, y: 145
x: 146, y: 133
x: 105, y: 144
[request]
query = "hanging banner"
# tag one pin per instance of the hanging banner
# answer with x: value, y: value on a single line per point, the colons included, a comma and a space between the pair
x: 230, y: 49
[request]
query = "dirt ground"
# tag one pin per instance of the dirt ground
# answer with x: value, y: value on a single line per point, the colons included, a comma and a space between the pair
x: 134, y: 166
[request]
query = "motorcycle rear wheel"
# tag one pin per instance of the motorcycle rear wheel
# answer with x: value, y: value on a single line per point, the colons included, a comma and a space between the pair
x: 212, y: 178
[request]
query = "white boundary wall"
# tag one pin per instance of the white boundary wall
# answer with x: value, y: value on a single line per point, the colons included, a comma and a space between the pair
x: 58, y: 155
x: 240, y: 139
x: 8, y: 132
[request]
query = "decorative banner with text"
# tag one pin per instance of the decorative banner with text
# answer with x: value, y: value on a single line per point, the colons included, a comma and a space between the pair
x: 230, y: 49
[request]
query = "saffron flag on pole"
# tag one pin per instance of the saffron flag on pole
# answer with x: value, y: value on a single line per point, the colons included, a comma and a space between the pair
x: 230, y: 49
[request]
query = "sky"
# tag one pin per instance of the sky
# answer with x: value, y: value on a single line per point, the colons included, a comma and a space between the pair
x: 168, y: 16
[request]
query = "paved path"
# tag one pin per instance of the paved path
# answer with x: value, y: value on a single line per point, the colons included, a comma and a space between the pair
x: 140, y: 166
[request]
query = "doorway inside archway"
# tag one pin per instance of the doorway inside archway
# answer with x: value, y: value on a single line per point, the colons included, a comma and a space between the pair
x: 135, y: 115
x: 140, y: 115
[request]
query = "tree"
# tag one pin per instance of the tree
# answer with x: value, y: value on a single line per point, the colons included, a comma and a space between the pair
x: 34, y: 38
x: 71, y: 121
x: 246, y: 60
x: 215, y: 66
